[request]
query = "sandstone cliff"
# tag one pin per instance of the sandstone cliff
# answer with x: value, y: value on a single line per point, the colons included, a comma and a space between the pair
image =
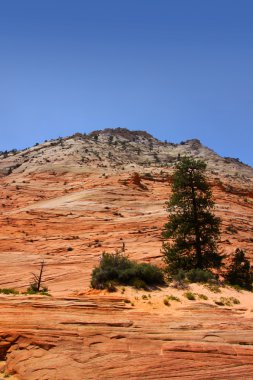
x: 66, y: 201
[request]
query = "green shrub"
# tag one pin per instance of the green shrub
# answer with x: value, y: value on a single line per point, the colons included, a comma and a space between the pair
x: 235, y: 300
x: 179, y: 276
x: 240, y: 271
x: 119, y: 269
x: 213, y: 288
x: 139, y: 284
x: 111, y: 286
x: 227, y: 301
x: 173, y: 298
x: 166, y: 302
x: 199, y: 275
x: 219, y: 303
x: 8, y: 291
x: 33, y: 290
x: 190, y: 296
x: 179, y: 280
x: 203, y: 297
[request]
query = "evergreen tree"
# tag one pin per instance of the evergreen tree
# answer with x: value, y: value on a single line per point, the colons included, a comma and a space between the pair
x: 240, y: 272
x: 192, y: 226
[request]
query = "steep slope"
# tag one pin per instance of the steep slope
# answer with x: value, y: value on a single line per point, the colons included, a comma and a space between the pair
x: 66, y: 201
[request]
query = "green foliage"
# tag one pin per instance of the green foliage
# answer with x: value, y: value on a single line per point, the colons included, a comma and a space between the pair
x: 213, y: 287
x: 180, y: 275
x: 173, y: 298
x: 166, y: 302
x: 8, y: 291
x: 179, y: 280
x: 235, y: 300
x: 240, y: 272
x: 139, y: 284
x: 192, y: 225
x: 190, y: 296
x: 199, y: 275
x: 203, y: 297
x: 227, y: 301
x: 117, y: 268
x: 36, y: 283
x: 33, y: 289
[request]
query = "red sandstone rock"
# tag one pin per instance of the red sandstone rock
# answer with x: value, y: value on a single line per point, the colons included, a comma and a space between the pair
x: 68, y: 218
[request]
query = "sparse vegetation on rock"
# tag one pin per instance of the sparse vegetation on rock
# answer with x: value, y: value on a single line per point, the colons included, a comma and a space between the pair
x: 116, y: 268
x: 36, y: 285
x: 89, y: 216
x: 8, y: 291
x: 190, y: 296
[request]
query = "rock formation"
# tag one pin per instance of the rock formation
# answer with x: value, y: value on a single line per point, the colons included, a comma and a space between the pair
x: 65, y: 201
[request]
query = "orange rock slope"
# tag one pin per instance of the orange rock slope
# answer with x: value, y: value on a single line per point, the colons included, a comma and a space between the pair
x: 68, y: 218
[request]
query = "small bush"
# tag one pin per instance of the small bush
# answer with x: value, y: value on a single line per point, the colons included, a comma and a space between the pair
x: 180, y: 276
x: 190, y: 296
x: 227, y: 301
x: 119, y: 269
x: 8, y: 291
x: 203, y: 297
x: 166, y: 302
x: 199, y: 275
x: 111, y: 286
x: 173, y: 298
x: 32, y: 289
x: 219, y: 303
x: 235, y: 300
x: 179, y: 280
x: 240, y: 271
x: 213, y: 288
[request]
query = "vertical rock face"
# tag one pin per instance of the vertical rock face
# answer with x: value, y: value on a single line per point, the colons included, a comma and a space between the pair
x: 66, y: 201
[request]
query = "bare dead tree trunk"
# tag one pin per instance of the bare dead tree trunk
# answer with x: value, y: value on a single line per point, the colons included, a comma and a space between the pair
x: 38, y: 278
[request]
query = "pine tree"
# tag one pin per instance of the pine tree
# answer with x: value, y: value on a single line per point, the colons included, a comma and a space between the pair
x: 240, y: 271
x: 192, y: 226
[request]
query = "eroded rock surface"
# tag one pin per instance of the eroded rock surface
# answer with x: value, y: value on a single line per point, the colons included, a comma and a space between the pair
x: 101, y: 338
x: 67, y: 201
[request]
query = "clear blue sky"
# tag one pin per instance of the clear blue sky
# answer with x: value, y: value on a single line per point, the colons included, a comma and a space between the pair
x: 179, y: 69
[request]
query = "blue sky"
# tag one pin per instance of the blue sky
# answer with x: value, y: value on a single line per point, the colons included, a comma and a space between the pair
x: 179, y: 69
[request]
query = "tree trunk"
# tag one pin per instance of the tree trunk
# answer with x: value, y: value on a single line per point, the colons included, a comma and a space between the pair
x: 40, y: 276
x: 196, y: 228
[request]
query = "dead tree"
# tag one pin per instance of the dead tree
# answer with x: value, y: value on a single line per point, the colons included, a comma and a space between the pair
x: 37, y: 280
